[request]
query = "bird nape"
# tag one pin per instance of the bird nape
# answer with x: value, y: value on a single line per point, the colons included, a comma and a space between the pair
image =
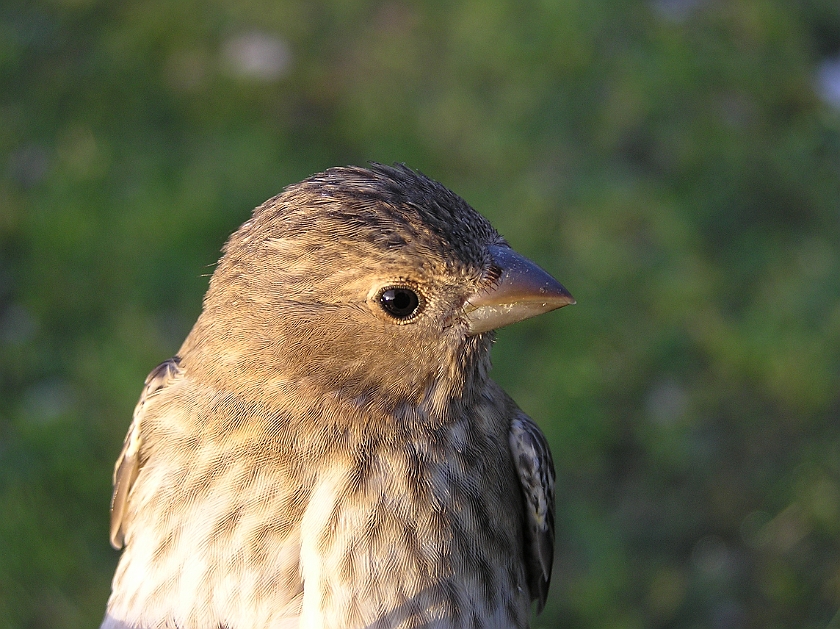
x: 327, y: 448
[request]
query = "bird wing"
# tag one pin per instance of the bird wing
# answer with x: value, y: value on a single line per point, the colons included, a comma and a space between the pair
x: 535, y: 468
x: 128, y: 463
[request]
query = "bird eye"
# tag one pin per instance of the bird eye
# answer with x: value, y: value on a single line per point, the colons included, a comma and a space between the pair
x: 399, y: 302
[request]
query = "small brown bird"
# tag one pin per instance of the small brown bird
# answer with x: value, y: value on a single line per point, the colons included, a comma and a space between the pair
x: 327, y: 449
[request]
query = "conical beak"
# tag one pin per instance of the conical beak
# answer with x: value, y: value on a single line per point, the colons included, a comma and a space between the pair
x: 523, y: 290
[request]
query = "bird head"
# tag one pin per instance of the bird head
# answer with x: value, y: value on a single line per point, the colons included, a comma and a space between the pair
x: 378, y: 286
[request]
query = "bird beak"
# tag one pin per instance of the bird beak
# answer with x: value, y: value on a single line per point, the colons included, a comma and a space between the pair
x: 523, y: 290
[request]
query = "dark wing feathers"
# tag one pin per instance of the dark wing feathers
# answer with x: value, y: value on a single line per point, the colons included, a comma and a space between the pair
x: 128, y: 463
x: 535, y: 468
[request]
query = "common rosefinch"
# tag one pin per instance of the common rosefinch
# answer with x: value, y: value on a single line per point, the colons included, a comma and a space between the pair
x: 327, y: 449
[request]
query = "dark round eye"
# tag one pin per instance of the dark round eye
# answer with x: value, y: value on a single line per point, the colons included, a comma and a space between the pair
x: 399, y: 302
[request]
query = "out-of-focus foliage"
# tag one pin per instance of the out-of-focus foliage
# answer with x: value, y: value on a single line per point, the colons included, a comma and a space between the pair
x: 676, y: 163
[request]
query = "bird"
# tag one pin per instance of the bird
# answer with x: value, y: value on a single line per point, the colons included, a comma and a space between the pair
x: 327, y: 448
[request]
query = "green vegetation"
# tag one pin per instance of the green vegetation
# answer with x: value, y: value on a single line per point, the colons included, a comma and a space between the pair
x: 675, y: 163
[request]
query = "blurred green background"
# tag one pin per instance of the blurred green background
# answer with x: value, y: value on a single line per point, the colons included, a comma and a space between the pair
x: 676, y: 163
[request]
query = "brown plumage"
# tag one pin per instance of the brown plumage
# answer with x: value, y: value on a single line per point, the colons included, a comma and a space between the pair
x: 327, y: 449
